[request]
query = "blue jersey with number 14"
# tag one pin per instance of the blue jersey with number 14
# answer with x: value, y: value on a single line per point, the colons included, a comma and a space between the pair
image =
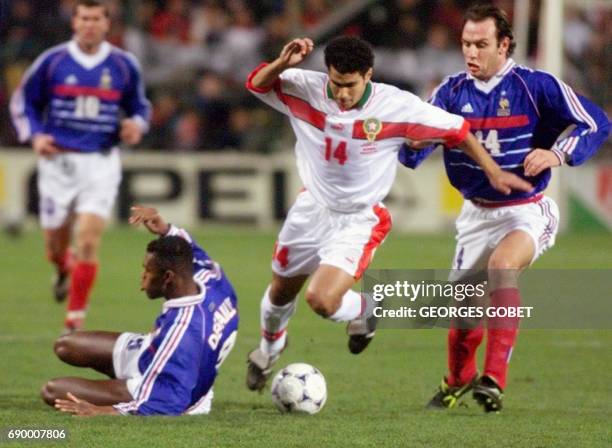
x: 516, y: 111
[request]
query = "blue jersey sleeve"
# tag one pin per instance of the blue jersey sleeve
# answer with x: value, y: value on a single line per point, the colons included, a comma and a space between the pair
x: 412, y: 158
x: 134, y: 102
x: 169, y: 380
x: 587, y: 126
x: 30, y: 99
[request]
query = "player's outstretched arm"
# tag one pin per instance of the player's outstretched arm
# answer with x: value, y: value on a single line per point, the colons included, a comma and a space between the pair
x: 150, y: 218
x: 501, y: 180
x: 290, y: 56
x: 82, y: 408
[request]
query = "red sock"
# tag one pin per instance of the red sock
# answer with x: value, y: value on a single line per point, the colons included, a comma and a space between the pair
x: 501, y: 335
x: 63, y: 262
x: 81, y: 282
x: 462, y: 346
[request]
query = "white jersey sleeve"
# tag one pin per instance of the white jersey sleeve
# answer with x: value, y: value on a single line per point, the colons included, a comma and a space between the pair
x: 347, y: 159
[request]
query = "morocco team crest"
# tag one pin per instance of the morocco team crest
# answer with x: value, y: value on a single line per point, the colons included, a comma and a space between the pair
x: 371, y: 128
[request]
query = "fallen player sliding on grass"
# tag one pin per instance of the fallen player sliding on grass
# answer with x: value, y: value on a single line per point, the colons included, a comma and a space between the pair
x: 171, y: 370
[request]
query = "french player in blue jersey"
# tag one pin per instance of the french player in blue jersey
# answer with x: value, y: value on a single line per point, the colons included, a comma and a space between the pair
x: 530, y: 122
x: 171, y: 370
x: 75, y: 104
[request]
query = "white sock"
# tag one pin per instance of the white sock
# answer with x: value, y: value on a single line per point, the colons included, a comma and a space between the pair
x: 350, y: 307
x: 274, y: 322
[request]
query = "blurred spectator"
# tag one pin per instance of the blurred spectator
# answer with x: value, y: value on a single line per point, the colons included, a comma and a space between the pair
x: 187, y: 131
x: 409, y: 33
x: 277, y: 33
x: 19, y: 39
x: 212, y: 103
x: 171, y: 23
x: 208, y: 22
x: 448, y: 14
x: 239, y: 49
x: 313, y: 12
x: 438, y: 57
x: 136, y: 37
x: 577, y: 34
x: 195, y: 54
x: 165, y: 111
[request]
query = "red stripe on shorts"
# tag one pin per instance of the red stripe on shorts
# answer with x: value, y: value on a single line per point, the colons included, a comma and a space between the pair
x: 378, y: 235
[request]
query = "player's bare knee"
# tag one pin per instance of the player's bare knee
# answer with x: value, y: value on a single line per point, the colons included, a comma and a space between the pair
x: 321, y: 303
x: 87, y: 250
x: 502, y: 272
x: 499, y: 263
x: 49, y: 392
x: 63, y: 346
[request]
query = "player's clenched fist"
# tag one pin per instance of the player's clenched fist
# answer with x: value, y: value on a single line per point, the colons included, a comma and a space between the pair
x: 131, y: 132
x: 44, y: 145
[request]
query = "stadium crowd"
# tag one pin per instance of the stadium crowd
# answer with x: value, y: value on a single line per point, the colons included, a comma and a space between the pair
x: 196, y: 54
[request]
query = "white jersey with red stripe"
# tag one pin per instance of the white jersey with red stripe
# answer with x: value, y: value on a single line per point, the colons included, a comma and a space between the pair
x: 347, y: 159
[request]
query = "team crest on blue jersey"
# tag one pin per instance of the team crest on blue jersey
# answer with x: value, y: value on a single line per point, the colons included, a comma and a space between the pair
x: 71, y: 80
x: 106, y: 80
x: 372, y: 127
x: 504, y: 108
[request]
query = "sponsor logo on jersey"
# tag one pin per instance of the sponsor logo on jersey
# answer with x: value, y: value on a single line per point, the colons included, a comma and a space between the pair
x: 467, y: 109
x: 504, y: 108
x: 106, y: 80
x: 71, y: 80
x: 368, y: 148
x: 372, y: 127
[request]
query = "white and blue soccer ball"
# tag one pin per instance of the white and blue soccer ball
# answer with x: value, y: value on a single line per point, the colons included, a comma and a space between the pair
x: 299, y: 388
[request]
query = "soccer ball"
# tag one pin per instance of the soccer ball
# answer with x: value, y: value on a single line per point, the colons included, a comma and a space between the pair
x: 299, y: 388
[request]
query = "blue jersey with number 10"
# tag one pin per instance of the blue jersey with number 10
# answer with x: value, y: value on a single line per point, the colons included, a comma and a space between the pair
x: 516, y: 111
x: 80, y: 98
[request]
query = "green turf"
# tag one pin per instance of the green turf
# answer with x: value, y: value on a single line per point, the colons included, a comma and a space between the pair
x: 558, y: 395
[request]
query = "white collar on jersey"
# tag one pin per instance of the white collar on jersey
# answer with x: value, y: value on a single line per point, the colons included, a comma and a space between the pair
x: 487, y: 86
x: 89, y: 61
x: 187, y: 300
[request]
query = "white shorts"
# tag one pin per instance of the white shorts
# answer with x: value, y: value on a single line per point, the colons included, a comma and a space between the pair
x: 480, y: 230
x: 313, y: 234
x: 79, y: 182
x: 126, y: 352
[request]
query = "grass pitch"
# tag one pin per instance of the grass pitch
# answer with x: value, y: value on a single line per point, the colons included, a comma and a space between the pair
x: 559, y: 391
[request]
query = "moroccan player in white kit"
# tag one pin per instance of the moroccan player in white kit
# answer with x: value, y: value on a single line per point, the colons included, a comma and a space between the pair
x: 348, y: 131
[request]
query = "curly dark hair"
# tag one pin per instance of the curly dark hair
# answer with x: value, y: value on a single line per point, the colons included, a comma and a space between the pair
x: 483, y: 11
x: 349, y: 55
x: 172, y: 253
